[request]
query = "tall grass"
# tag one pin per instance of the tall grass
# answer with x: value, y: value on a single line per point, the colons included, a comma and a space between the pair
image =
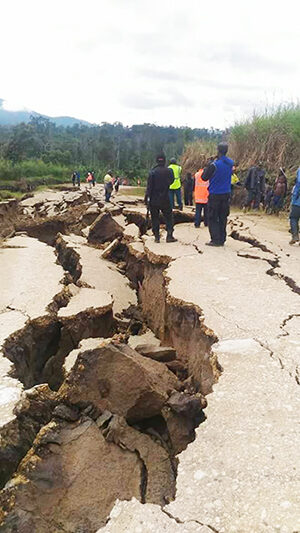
x: 272, y: 137
x: 196, y: 154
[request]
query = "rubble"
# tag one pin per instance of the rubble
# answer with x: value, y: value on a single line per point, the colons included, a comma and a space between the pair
x: 118, y: 379
x: 104, y: 229
x: 96, y: 272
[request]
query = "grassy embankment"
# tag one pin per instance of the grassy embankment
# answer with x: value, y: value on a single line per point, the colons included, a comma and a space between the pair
x: 272, y: 137
x: 20, y: 178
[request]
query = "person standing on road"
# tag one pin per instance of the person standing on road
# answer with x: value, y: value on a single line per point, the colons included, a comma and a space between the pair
x: 175, y: 187
x: 219, y: 175
x: 89, y: 179
x: 295, y: 210
x: 108, y: 185
x: 279, y: 192
x: 255, y: 185
x: 201, y: 198
x: 157, y: 197
x: 117, y: 184
x: 188, y: 186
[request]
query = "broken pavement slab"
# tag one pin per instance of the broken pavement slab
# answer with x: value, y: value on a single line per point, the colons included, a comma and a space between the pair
x: 86, y: 344
x: 229, y: 309
x: 146, y: 338
x: 242, y: 471
x: 133, y: 517
x: 26, y: 265
x: 86, y: 299
x: 23, y: 263
x: 104, y: 229
x: 97, y: 272
x: 131, y: 232
x: 118, y: 379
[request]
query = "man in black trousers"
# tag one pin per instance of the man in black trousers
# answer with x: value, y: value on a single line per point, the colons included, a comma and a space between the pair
x: 157, y: 197
x: 219, y: 175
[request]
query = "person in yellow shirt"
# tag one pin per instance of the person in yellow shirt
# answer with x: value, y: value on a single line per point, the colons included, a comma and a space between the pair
x: 175, y: 187
x: 108, y: 185
x: 235, y: 181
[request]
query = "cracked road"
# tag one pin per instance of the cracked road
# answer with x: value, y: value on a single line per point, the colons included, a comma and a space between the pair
x: 242, y: 472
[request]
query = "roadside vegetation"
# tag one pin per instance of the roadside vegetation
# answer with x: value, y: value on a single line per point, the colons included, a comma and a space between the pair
x: 272, y: 137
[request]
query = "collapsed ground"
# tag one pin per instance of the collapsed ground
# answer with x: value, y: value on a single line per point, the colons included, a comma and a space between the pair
x: 109, y: 352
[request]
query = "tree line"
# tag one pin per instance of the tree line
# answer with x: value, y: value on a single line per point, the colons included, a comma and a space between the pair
x: 128, y: 150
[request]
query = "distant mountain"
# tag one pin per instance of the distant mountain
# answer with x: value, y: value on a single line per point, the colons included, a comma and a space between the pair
x: 11, y: 118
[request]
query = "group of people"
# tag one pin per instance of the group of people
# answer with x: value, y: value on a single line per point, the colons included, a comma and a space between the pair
x: 89, y: 178
x: 110, y: 182
x: 260, y: 191
x: 212, y: 189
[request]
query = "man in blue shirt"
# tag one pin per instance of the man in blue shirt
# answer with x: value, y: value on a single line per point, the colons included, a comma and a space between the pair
x: 219, y: 175
x: 295, y: 210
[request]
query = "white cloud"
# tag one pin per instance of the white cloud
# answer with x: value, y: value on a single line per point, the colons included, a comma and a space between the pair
x: 135, y: 61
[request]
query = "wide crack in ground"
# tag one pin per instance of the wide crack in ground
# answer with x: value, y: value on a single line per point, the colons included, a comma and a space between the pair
x: 107, y: 405
x: 106, y: 372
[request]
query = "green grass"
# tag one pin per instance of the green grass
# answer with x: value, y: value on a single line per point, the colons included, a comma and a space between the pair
x: 5, y: 195
x: 132, y: 191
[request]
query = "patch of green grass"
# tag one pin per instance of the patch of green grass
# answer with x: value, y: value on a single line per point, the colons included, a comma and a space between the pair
x: 5, y: 195
x: 133, y: 191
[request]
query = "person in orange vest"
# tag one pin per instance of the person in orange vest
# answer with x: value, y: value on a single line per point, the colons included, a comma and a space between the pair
x: 201, y: 198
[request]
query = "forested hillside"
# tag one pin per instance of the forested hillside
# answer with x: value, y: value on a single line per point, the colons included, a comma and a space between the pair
x: 39, y: 146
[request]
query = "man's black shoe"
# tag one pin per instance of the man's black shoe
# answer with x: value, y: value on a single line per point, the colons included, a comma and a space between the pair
x: 170, y: 238
x: 211, y: 243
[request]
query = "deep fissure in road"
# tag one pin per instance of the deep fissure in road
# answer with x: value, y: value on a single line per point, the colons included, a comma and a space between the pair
x: 131, y: 410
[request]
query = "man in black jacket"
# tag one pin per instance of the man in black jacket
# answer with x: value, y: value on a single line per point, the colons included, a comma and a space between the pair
x: 157, y: 197
x: 255, y: 185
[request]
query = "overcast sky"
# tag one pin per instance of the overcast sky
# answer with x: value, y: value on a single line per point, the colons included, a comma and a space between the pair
x: 181, y: 62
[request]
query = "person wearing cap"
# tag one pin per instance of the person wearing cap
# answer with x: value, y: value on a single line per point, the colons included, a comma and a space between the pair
x: 157, y: 197
x: 255, y: 184
x: 175, y: 187
x: 218, y: 173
